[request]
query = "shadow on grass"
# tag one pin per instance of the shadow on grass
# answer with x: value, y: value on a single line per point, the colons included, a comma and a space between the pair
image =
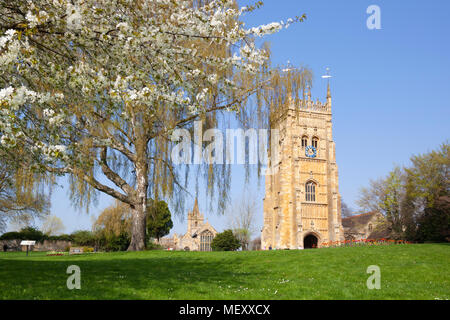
x: 408, y: 271
x: 120, y: 277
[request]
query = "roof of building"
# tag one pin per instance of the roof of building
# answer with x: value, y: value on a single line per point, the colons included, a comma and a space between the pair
x: 359, y: 219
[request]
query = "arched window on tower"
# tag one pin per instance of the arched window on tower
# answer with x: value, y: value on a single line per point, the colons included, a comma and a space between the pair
x: 310, y: 189
x: 315, y: 142
x: 304, y: 141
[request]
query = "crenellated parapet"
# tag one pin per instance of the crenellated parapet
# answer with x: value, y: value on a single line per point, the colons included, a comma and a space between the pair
x: 312, y: 106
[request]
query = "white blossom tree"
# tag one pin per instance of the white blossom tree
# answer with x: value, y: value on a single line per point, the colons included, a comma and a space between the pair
x: 93, y: 89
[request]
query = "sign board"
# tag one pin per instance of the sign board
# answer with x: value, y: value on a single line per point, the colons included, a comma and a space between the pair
x: 27, y: 243
x: 76, y: 250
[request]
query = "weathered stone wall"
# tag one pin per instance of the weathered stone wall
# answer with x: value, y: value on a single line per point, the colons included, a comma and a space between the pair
x: 12, y: 245
x: 46, y: 245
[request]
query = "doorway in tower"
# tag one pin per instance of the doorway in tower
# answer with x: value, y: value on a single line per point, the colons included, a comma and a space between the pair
x: 310, y: 241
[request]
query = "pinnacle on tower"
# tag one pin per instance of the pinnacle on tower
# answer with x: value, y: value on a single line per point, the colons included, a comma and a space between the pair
x: 195, y: 211
x: 329, y: 96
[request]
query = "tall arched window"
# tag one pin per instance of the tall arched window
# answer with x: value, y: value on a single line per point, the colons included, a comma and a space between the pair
x: 206, y: 238
x: 315, y: 142
x: 304, y: 141
x: 310, y: 189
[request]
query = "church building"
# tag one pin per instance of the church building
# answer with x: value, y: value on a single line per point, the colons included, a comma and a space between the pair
x: 302, y: 206
x: 199, y: 233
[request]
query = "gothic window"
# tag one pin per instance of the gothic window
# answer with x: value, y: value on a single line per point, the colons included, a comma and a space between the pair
x: 310, y: 189
x: 315, y: 142
x: 370, y: 227
x: 304, y: 141
x: 206, y: 238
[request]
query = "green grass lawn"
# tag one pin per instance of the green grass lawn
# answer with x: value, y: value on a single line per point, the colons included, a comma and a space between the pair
x: 418, y: 271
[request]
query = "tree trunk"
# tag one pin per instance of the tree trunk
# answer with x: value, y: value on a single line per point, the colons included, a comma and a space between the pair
x: 139, y: 227
x: 138, y: 230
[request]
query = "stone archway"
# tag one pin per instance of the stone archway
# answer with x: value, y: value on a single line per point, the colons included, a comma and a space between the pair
x: 310, y: 241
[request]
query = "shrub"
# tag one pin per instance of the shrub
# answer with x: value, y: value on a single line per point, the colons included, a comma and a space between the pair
x: 84, y: 238
x: 11, y: 236
x: 113, y: 242
x: 30, y: 233
x: 153, y: 246
x: 63, y: 237
x: 88, y: 249
x: 434, y: 224
x: 101, y: 240
x: 225, y: 241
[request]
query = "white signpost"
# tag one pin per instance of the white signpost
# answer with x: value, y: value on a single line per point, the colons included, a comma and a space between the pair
x: 27, y: 243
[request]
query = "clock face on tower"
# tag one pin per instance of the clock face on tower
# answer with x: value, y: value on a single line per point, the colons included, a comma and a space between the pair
x: 311, y: 152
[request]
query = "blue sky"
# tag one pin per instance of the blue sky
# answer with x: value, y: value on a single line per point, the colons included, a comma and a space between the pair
x: 390, y: 88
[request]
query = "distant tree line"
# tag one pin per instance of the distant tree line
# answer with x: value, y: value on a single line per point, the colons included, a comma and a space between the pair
x: 111, y: 231
x: 31, y: 233
x: 415, y: 200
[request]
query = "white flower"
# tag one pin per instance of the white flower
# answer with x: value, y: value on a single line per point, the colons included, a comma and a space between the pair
x: 133, y: 96
x: 212, y: 78
x: 8, y: 141
x: 202, y: 95
x: 73, y: 18
x: 9, y: 34
x: 32, y: 19
x: 195, y: 72
x: 6, y: 92
x: 20, y: 97
x: 48, y: 113
x: 123, y: 26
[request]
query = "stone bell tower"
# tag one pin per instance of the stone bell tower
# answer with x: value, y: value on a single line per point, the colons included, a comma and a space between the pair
x: 195, y: 219
x: 302, y: 206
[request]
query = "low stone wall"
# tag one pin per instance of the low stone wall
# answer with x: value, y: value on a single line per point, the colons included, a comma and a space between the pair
x: 47, y: 245
x: 11, y: 245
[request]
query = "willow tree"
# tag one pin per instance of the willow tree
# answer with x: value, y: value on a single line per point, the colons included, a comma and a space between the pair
x: 93, y: 89
x: 23, y: 196
x: 114, y: 220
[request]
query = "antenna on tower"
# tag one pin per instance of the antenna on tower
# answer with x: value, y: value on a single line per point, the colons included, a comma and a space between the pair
x: 289, y: 67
